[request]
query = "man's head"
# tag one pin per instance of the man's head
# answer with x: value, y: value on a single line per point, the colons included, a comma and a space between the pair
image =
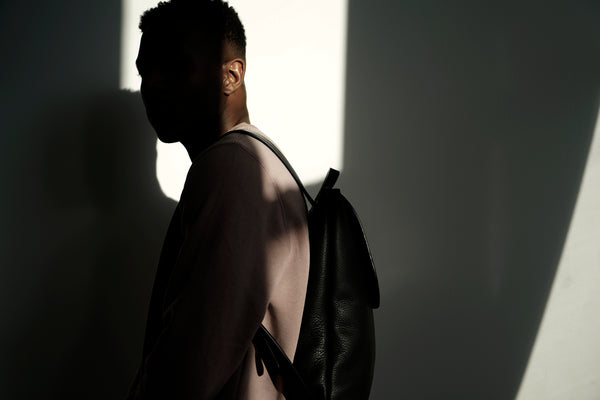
x: 192, y: 64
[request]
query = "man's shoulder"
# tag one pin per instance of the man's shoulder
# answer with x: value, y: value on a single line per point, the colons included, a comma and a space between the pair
x: 230, y: 145
x: 239, y: 141
x: 236, y: 150
x: 236, y: 158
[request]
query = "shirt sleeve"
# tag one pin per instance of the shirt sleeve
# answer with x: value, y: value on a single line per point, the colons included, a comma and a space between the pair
x: 233, y: 254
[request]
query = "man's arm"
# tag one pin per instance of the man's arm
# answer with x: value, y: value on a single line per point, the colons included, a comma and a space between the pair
x: 233, y: 254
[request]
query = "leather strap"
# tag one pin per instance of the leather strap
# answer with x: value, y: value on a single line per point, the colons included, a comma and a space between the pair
x: 279, y: 154
x: 283, y: 374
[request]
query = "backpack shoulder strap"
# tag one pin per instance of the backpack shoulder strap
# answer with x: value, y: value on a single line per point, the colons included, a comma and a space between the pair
x: 284, y: 375
x: 264, y: 140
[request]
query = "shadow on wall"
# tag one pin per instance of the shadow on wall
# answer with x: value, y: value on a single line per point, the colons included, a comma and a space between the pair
x: 96, y: 240
x: 467, y: 129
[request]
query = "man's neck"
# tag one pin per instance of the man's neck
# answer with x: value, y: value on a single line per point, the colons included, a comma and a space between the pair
x: 209, y: 134
x: 231, y: 118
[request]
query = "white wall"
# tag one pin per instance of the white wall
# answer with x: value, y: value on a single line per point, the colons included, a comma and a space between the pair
x: 296, y: 60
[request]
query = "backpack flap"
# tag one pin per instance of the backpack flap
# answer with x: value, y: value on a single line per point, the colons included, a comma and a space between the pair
x: 350, y: 226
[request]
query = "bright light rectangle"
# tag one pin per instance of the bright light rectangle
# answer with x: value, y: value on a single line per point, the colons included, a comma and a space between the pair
x: 296, y: 65
x: 565, y: 360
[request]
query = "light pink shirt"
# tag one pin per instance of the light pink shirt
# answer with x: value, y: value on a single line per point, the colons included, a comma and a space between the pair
x: 236, y: 254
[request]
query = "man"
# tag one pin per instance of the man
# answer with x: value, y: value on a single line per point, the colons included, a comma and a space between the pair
x: 236, y: 252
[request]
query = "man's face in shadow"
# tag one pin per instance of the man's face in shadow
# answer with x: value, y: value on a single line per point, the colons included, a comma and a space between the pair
x: 181, y: 84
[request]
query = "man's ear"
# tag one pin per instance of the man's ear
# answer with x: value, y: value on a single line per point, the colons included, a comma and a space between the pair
x: 233, y: 75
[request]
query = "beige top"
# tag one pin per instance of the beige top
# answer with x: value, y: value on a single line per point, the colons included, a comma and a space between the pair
x: 236, y: 254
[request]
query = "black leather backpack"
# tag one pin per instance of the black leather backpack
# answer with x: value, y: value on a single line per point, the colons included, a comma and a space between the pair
x: 335, y: 355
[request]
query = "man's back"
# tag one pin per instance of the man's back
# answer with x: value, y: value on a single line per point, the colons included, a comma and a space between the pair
x: 236, y: 254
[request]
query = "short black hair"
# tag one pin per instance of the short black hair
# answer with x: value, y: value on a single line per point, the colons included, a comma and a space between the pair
x: 209, y: 17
